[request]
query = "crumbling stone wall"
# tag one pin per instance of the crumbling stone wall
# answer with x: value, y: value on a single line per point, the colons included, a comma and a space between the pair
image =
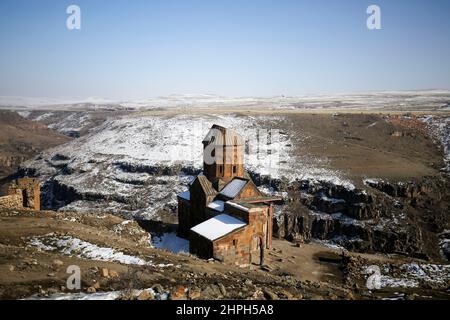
x: 23, y: 193
x: 12, y: 201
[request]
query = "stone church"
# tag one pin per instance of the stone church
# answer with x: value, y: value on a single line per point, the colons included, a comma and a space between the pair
x: 223, y: 214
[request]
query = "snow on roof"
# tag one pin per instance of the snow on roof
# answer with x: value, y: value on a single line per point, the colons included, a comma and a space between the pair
x: 233, y: 188
x: 218, y: 226
x: 217, y: 205
x: 186, y: 195
x: 238, y: 206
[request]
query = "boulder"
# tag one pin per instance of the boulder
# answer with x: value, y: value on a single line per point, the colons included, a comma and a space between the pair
x: 179, y: 293
x: 91, y: 290
x: 146, y: 295
x: 105, y: 272
x: 270, y: 295
x: 57, y: 263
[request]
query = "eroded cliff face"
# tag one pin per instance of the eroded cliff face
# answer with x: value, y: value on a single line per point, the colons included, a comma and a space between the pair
x: 408, y: 218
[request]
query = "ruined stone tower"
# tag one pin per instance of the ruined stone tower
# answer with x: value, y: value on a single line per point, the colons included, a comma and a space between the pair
x: 29, y: 189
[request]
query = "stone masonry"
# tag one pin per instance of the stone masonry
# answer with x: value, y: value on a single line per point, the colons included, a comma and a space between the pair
x: 22, y: 193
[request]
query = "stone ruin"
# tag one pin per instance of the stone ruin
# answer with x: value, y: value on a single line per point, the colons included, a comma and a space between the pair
x: 22, y: 193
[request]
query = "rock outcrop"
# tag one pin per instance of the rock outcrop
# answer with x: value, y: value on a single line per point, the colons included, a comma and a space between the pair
x: 385, y: 218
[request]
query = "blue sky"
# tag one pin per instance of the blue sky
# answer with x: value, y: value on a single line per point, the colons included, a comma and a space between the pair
x: 137, y: 49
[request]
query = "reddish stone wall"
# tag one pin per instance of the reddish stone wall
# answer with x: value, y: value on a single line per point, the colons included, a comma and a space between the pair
x: 233, y: 163
x: 270, y: 227
x: 262, y: 222
x: 234, y: 248
x: 247, y: 245
x: 30, y: 190
x: 229, y: 163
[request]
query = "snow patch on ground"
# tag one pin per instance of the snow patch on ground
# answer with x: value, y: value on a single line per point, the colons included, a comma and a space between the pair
x: 328, y: 244
x: 390, y: 282
x: 107, y: 295
x: 170, y: 242
x: 413, y: 275
x: 429, y: 273
x: 24, y: 114
x: 76, y: 247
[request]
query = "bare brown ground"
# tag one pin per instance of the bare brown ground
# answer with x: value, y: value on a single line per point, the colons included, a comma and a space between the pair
x: 364, y: 145
x: 26, y: 270
x: 313, y: 262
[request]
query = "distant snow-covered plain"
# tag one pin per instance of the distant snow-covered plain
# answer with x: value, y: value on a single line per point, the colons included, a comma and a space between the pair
x: 375, y: 100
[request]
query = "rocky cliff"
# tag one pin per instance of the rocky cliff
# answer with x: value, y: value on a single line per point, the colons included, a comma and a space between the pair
x: 403, y: 217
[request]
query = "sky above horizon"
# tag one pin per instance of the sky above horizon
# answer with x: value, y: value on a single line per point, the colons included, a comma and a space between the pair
x: 138, y: 49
